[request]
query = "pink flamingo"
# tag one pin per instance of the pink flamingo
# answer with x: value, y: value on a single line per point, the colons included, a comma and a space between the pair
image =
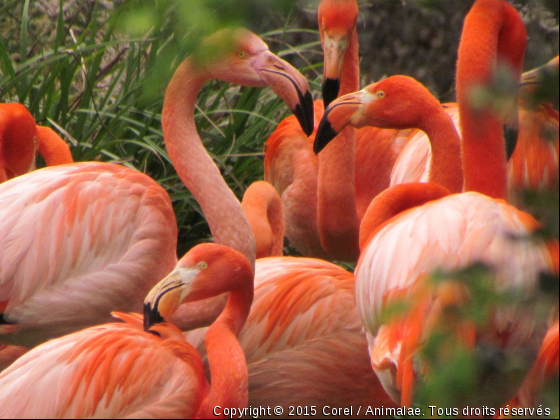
x: 109, y: 228
x: 404, y: 239
x: 124, y: 348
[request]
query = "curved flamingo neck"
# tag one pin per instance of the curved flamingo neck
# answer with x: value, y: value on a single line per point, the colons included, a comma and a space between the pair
x: 446, y: 167
x: 54, y: 150
x: 394, y: 201
x: 493, y: 31
x: 17, y: 141
x: 228, y: 367
x: 337, y: 216
x: 195, y: 166
x: 263, y: 207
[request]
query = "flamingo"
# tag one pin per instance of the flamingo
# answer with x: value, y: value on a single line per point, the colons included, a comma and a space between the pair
x: 245, y: 59
x: 533, y: 158
x: 323, y: 198
x: 73, y: 230
x: 118, y: 370
x: 303, y: 339
x: 263, y: 208
x: 20, y: 139
x: 411, y: 230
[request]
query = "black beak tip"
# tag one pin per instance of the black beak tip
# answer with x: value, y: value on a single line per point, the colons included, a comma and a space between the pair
x: 331, y: 88
x: 325, y: 133
x: 151, y: 316
x: 304, y: 113
x: 511, y: 136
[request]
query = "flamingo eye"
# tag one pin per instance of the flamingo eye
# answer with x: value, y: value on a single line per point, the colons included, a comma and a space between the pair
x: 241, y: 54
x: 203, y: 265
x: 380, y: 94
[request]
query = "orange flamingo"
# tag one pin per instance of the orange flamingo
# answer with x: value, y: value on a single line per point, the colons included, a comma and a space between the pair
x: 118, y: 370
x: 404, y: 239
x: 324, y: 199
x: 533, y: 162
x: 113, y: 229
x: 263, y: 208
x: 303, y: 339
x: 254, y: 65
x: 20, y: 139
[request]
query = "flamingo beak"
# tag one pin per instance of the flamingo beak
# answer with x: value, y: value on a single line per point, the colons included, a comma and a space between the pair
x: 164, y: 299
x: 290, y: 85
x: 334, y: 57
x: 541, y: 74
x: 346, y: 110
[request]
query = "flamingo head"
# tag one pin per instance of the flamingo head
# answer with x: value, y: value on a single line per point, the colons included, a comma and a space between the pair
x: 398, y: 102
x: 206, y: 271
x: 238, y: 56
x: 337, y: 22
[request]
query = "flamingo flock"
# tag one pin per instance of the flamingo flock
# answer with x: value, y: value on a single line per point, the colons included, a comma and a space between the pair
x: 99, y: 318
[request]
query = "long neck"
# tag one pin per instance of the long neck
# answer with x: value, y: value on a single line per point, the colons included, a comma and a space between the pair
x: 446, y: 167
x: 263, y: 207
x: 195, y: 166
x: 337, y: 217
x: 493, y: 31
x: 54, y: 150
x: 228, y: 367
x: 17, y: 141
x: 394, y: 201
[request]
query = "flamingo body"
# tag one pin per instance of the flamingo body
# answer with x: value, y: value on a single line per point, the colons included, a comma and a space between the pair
x: 449, y: 234
x: 108, y: 371
x: 73, y: 230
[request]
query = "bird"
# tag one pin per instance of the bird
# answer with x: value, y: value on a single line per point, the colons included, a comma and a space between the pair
x: 73, y: 230
x: 240, y: 57
x: 412, y: 229
x: 21, y: 139
x: 321, y: 291
x: 532, y: 158
x: 380, y: 105
x: 303, y: 339
x: 263, y: 208
x: 118, y: 370
x: 325, y: 198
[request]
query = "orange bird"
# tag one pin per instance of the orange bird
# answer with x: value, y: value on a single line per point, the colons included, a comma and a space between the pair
x: 118, y: 370
x: 73, y: 230
x: 303, y: 340
x: 532, y: 158
x: 325, y: 198
x: 21, y: 139
x: 413, y: 229
x: 263, y: 208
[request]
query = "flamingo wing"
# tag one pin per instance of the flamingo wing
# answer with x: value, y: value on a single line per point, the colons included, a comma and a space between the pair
x: 449, y: 234
x: 109, y: 371
x: 80, y: 241
x: 303, y: 340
